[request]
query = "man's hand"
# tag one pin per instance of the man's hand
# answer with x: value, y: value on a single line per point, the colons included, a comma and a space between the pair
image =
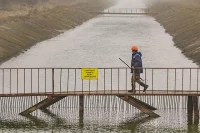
x: 132, y: 67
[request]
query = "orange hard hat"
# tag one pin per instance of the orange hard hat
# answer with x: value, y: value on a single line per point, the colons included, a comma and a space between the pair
x: 134, y: 48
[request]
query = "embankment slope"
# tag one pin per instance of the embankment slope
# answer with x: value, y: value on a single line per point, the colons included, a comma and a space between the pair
x: 181, y: 19
x: 30, y: 24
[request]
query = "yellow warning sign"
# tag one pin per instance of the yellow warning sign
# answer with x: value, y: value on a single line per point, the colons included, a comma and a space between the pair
x: 89, y: 73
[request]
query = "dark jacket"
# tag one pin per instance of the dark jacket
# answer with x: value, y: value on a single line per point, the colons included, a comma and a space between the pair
x: 137, y: 62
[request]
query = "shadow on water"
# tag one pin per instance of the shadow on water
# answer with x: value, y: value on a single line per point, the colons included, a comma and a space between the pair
x: 192, y: 124
x: 57, y: 121
x: 141, y: 125
x: 36, y: 123
x: 33, y: 121
x: 134, y: 123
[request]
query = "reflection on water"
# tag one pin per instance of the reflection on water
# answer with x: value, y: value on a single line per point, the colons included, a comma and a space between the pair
x: 18, y: 104
x: 101, y: 114
x: 98, y: 120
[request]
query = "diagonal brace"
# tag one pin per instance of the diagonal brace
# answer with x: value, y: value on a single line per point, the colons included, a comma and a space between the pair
x: 143, y: 103
x: 42, y: 105
x: 138, y: 105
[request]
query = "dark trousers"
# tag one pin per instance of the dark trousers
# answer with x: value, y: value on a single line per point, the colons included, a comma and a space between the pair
x: 136, y: 78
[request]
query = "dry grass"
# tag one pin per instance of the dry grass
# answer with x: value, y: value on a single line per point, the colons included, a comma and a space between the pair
x: 19, y: 9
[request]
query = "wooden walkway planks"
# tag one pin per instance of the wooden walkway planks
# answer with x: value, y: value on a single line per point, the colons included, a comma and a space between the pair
x: 109, y: 92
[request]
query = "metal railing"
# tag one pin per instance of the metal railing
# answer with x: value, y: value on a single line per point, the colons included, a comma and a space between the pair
x: 111, y: 81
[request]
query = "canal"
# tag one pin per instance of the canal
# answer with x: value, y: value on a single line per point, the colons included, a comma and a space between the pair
x: 100, y: 42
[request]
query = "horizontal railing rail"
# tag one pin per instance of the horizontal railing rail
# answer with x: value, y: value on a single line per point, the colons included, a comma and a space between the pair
x: 108, y: 81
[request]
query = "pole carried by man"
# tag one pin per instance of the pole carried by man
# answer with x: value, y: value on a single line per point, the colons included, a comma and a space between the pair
x: 129, y: 67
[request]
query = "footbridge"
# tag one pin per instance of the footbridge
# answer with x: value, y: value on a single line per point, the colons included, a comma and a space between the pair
x: 58, y: 83
x: 125, y: 11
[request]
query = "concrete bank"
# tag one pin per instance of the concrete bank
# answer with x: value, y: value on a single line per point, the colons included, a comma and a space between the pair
x: 19, y: 33
x: 182, y: 21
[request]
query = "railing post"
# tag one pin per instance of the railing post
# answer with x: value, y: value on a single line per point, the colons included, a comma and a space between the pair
x: 197, y: 80
x: 152, y: 80
x: 10, y: 80
x: 52, y: 80
x: 3, y: 81
x: 167, y: 80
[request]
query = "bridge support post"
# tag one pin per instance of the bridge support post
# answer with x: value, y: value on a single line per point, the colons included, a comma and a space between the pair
x: 190, y: 105
x: 81, y: 110
x: 193, y: 111
x: 196, y: 110
x: 81, y: 103
x: 190, y: 110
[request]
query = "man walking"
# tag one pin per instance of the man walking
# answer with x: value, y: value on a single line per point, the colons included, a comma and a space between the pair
x: 136, y: 69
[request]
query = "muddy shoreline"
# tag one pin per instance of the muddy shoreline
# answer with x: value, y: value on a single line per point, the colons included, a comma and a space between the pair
x: 21, y: 31
x: 182, y: 21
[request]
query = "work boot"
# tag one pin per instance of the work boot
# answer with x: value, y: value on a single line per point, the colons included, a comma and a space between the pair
x: 145, y: 88
x: 132, y: 91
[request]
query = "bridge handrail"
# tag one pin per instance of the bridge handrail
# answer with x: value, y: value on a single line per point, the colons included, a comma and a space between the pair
x: 98, y: 67
x: 114, y: 80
